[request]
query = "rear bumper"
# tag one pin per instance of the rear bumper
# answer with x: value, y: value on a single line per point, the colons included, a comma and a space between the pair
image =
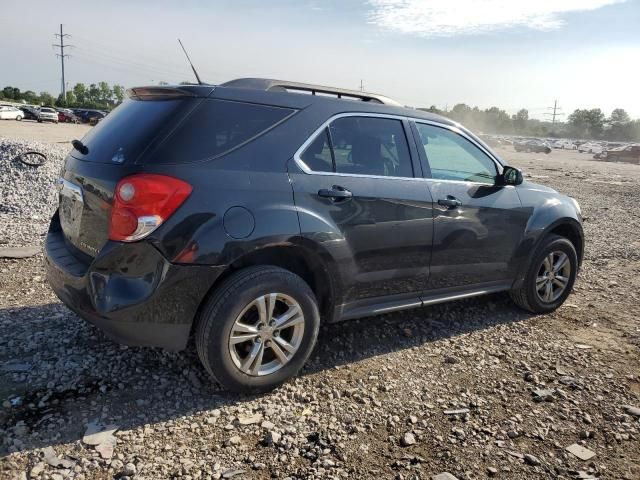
x: 130, y: 291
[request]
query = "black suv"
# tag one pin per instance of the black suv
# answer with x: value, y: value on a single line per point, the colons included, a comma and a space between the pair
x: 248, y: 213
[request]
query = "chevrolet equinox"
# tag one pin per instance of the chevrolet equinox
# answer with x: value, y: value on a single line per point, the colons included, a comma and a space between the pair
x: 244, y: 215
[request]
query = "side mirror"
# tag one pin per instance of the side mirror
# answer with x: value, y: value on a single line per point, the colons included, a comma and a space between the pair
x: 511, y: 176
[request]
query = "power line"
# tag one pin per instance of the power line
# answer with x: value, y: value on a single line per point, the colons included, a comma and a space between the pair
x: 62, y: 55
x: 556, y: 112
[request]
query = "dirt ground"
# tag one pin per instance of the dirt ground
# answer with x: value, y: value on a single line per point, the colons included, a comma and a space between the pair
x: 42, y: 132
x: 476, y: 388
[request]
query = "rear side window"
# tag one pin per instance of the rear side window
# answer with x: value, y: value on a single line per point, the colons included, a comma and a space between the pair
x: 361, y: 146
x: 215, y: 128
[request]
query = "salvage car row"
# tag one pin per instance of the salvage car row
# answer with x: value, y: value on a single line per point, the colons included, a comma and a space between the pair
x: 601, y: 150
x: 51, y: 114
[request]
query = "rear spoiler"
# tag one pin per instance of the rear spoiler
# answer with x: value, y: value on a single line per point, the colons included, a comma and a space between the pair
x: 169, y: 92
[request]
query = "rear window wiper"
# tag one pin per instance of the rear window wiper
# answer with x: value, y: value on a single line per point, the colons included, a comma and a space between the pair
x: 79, y: 146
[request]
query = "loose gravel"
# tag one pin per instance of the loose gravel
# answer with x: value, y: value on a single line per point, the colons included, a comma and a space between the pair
x: 28, y: 195
x: 467, y: 390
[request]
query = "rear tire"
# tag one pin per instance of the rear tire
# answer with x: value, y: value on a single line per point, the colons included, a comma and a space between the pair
x: 233, y: 312
x: 529, y: 296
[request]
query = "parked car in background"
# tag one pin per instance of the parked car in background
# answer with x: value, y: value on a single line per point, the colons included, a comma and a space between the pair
x: 30, y: 113
x: 244, y: 215
x: 89, y: 116
x: 628, y: 153
x: 67, y: 116
x: 564, y: 144
x: 46, y: 114
x: 9, y: 112
x: 536, y: 146
x: 590, y: 147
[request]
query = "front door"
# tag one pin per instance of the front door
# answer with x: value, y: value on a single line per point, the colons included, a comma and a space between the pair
x: 357, y: 196
x: 477, y: 223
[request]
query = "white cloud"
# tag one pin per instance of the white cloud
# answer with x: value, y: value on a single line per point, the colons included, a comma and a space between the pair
x: 443, y: 18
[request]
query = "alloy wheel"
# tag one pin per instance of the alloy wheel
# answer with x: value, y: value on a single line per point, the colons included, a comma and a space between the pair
x: 553, y: 276
x: 266, y: 334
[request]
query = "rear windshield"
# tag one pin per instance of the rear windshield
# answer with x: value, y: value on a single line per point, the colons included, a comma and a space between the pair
x: 215, y: 127
x: 125, y: 133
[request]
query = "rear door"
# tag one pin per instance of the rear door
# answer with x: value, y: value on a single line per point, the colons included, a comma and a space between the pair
x: 477, y: 223
x: 358, y: 194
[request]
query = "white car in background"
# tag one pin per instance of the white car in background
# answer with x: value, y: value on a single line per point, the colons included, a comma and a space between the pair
x: 47, y: 115
x: 564, y: 144
x: 7, y: 112
x: 591, y: 147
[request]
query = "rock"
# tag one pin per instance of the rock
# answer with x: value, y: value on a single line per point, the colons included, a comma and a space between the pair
x: 267, y: 425
x: 97, y: 433
x: 232, y: 473
x: 19, y: 252
x: 531, y: 460
x: 129, y: 469
x: 36, y: 470
x: 492, y: 471
x: 632, y: 410
x: 257, y: 418
x: 543, y: 395
x: 235, y: 440
x: 408, y: 439
x: 52, y: 459
x: 451, y: 359
x: 459, y: 411
x: 272, y: 438
x: 580, y: 452
x: 106, y: 448
x: 444, y: 476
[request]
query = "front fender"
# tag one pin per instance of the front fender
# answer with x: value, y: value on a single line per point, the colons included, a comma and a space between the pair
x: 550, y: 211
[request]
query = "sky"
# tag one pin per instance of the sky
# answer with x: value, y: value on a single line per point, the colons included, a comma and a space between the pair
x: 509, y: 53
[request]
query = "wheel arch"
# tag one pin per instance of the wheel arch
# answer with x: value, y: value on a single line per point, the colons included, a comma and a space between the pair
x: 566, y: 227
x: 298, y: 259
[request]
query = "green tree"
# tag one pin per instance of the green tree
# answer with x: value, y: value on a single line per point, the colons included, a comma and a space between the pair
x: 586, y: 123
x: 105, y: 94
x: 46, y: 99
x: 619, y: 116
x: 520, y: 120
x: 7, y: 92
x: 118, y: 93
x: 71, y: 98
x: 30, y: 96
x: 80, y: 91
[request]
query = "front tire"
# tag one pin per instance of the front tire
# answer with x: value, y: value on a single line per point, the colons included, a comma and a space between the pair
x: 258, y: 329
x: 550, y: 276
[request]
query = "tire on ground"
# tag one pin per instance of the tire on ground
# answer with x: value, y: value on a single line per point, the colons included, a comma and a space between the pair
x: 220, y: 311
x: 526, y: 296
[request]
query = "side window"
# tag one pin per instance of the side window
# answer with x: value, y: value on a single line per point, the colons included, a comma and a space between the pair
x: 453, y: 157
x: 370, y: 146
x: 317, y: 156
x: 362, y: 146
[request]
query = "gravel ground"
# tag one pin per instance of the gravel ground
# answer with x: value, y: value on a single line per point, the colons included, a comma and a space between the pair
x: 476, y: 388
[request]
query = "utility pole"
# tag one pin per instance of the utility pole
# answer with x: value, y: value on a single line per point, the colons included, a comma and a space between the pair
x: 361, y: 86
x: 62, y: 46
x: 556, y: 113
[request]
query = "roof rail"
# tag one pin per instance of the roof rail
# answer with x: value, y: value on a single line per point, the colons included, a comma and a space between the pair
x: 270, y: 84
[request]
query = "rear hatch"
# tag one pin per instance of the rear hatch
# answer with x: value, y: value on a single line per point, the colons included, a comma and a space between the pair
x: 112, y: 150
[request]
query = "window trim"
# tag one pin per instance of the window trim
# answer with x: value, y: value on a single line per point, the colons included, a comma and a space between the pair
x: 407, y: 121
x: 303, y: 166
x: 424, y: 158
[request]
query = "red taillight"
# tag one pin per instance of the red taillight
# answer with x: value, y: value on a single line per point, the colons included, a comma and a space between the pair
x: 142, y: 202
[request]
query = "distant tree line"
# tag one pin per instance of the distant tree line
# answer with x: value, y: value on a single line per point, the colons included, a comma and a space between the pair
x: 100, y: 96
x: 582, y: 123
